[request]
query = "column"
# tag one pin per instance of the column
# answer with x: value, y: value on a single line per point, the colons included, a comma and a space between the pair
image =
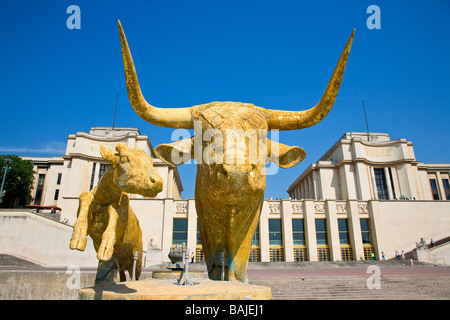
x: 170, y: 183
x: 350, y: 180
x: 343, y: 183
x: 311, y: 187
x: 167, y: 229
x: 412, y: 182
x: 192, y: 226
x: 310, y: 229
x: 374, y: 183
x: 332, y: 230
x: 388, y: 183
x: 376, y: 234
x: 354, y: 227
x: 440, y: 186
x: 264, y: 233
x: 315, y: 179
x: 286, y: 220
x: 363, y: 181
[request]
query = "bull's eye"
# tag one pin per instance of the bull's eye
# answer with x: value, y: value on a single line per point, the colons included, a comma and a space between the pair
x: 123, y: 159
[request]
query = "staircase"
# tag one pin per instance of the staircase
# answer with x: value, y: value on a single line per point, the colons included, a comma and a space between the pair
x: 392, y: 287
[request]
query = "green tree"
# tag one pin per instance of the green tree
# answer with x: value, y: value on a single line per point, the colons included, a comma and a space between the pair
x: 18, y: 183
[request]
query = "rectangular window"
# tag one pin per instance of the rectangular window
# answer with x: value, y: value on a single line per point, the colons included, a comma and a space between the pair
x: 92, y: 176
x: 298, y: 232
x: 39, y: 189
x: 365, y: 231
x: 56, y: 194
x: 380, y: 180
x: 58, y: 180
x: 321, y: 232
x: 199, y: 241
x: 275, y: 234
x: 434, y: 189
x: 446, y: 188
x: 180, y: 231
x: 343, y: 232
x: 41, y: 179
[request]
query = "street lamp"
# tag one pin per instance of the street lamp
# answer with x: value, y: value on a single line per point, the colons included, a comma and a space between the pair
x: 7, y: 161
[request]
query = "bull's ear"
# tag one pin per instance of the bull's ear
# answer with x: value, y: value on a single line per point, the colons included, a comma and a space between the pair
x: 108, y: 154
x: 283, y: 155
x: 175, y: 153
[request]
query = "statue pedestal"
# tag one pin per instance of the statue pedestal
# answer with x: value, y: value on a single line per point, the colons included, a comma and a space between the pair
x: 167, y: 275
x: 153, y: 289
x: 423, y: 255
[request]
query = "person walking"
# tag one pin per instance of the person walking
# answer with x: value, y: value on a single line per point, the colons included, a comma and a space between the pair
x: 383, y: 256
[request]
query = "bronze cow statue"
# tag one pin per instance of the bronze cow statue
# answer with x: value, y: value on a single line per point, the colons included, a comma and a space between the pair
x: 104, y: 213
x: 229, y: 190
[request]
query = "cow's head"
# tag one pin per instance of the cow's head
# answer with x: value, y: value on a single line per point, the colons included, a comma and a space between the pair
x: 133, y: 170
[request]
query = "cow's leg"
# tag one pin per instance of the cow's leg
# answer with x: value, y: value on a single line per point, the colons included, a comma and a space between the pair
x: 79, y: 235
x: 106, y: 272
x: 106, y: 249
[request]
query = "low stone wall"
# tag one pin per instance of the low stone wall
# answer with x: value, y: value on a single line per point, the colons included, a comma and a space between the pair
x: 42, y: 240
x: 46, y: 285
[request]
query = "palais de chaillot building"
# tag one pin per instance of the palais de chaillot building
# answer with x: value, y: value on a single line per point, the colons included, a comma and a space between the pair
x: 367, y: 194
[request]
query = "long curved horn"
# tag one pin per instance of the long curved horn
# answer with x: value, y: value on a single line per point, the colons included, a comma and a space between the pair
x: 292, y: 120
x: 169, y: 117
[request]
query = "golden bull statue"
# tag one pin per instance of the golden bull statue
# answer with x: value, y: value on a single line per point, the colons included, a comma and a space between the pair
x: 229, y: 192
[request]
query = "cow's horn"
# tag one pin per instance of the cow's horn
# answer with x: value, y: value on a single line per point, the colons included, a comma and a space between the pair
x: 292, y: 120
x: 167, y: 117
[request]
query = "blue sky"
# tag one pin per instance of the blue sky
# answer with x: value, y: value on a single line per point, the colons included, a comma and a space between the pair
x: 274, y: 54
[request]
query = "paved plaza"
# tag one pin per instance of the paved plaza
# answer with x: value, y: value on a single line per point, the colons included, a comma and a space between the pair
x: 358, y: 280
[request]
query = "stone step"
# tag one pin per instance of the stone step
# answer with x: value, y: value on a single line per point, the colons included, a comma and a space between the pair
x: 392, y: 287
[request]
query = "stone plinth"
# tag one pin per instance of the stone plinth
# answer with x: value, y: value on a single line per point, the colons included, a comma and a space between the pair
x: 152, y: 289
x: 423, y: 255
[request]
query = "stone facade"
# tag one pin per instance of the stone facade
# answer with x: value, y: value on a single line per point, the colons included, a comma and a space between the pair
x: 364, y: 167
x: 335, y: 210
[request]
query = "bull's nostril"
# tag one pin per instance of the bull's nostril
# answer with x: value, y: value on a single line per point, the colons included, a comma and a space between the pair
x: 152, y: 180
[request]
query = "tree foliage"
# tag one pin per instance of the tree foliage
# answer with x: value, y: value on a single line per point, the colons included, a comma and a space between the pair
x: 18, y: 182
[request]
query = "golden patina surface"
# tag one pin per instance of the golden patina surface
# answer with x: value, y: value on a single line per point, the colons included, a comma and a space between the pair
x: 229, y: 190
x: 104, y: 213
x: 169, y: 290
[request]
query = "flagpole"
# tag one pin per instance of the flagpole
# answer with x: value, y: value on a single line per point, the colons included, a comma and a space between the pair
x: 115, y: 111
x: 367, y: 123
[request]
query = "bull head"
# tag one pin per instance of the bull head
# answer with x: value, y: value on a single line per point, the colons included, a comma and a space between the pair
x: 229, y: 196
